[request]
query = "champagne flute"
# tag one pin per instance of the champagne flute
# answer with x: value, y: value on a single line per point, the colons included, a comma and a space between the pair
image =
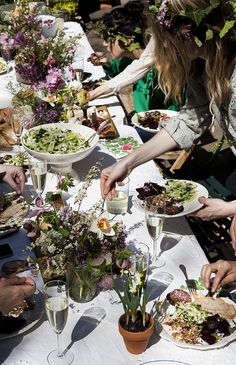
x: 155, y: 215
x: 7, y: 54
x: 56, y: 307
x: 16, y: 116
x: 38, y: 174
x: 78, y: 66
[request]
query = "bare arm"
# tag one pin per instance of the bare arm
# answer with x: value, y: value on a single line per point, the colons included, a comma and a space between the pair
x: 159, y: 144
x: 132, y: 73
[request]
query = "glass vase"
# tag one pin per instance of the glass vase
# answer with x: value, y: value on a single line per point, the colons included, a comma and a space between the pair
x: 82, y: 282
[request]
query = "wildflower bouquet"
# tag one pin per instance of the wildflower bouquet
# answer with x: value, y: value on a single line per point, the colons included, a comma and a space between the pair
x: 36, y: 56
x: 41, y: 57
x: 81, y: 238
x: 50, y: 101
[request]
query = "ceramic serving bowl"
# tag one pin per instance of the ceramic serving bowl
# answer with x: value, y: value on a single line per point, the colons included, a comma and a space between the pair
x: 63, y: 160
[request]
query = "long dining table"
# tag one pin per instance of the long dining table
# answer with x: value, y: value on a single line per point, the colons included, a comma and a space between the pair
x: 91, y: 331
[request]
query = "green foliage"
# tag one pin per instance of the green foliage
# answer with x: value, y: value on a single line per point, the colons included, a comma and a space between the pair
x: 198, y: 15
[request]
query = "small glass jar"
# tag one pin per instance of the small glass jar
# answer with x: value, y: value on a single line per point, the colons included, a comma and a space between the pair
x: 82, y: 282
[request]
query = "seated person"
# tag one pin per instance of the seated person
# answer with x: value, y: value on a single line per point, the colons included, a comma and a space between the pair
x: 135, y: 71
x: 14, y: 290
x: 123, y: 31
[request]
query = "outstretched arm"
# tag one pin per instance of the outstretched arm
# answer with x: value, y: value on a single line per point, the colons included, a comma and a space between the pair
x: 160, y: 143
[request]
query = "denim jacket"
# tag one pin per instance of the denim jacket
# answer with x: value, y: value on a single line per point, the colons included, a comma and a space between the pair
x: 195, y: 117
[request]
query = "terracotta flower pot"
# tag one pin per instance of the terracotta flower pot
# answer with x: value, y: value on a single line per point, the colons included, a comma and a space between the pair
x: 136, y: 342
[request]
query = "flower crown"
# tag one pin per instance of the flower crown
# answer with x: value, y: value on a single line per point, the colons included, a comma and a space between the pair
x: 166, y: 16
x: 110, y: 34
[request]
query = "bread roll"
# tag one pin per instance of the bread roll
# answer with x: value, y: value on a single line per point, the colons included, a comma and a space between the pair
x: 217, y: 306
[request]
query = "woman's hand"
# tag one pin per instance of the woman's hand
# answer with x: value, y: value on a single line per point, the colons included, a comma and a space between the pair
x: 111, y: 175
x: 215, y: 208
x: 98, y: 59
x: 13, y: 291
x: 15, y: 177
x: 225, y: 273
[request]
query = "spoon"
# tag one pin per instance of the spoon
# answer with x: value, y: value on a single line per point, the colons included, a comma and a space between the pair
x: 103, y: 127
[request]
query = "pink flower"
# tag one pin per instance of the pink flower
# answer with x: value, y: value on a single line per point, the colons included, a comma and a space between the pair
x: 50, y: 62
x: 106, y: 282
x: 125, y: 264
x: 126, y: 147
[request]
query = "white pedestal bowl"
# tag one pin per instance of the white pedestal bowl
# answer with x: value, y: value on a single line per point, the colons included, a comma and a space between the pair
x: 62, y: 162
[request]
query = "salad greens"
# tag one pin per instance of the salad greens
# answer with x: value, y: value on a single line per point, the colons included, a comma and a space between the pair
x: 181, y: 191
x: 190, y: 313
x: 54, y: 140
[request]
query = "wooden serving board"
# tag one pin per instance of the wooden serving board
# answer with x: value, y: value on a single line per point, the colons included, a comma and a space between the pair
x: 111, y: 132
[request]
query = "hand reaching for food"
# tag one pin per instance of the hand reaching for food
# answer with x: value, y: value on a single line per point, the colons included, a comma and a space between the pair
x: 98, y: 59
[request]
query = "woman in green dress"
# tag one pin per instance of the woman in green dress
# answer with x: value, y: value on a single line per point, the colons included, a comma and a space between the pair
x: 124, y: 31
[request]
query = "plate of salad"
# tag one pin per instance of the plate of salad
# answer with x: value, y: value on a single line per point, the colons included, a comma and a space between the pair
x: 121, y: 146
x: 196, y: 321
x: 179, y: 196
x: 150, y: 120
x: 13, y: 209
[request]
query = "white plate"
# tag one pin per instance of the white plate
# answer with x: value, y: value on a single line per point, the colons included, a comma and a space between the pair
x: 121, y: 146
x: 189, y: 207
x: 11, y: 225
x: 134, y: 119
x: 3, y: 67
x: 165, y: 332
x: 31, y: 316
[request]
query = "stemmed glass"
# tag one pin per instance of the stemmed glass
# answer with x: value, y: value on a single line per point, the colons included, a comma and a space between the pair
x: 16, y: 116
x: 56, y: 307
x: 38, y: 174
x: 139, y: 260
x: 7, y: 54
x: 155, y: 215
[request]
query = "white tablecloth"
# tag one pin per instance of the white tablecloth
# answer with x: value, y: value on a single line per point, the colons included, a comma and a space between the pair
x: 97, y: 341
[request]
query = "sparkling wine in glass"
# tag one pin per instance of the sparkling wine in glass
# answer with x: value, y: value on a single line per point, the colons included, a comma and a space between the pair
x: 78, y: 66
x: 7, y: 52
x: 38, y: 174
x: 155, y: 215
x: 56, y: 307
x: 16, y: 117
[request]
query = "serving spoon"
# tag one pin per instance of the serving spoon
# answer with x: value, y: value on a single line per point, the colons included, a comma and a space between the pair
x: 103, y: 127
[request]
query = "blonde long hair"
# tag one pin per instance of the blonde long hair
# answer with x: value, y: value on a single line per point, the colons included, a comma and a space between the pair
x: 173, y: 64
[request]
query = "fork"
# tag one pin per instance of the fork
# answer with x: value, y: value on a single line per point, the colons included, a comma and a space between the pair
x: 191, y: 284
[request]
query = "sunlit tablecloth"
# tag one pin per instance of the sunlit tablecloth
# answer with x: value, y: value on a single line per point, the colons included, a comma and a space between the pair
x: 91, y: 330
x: 95, y: 340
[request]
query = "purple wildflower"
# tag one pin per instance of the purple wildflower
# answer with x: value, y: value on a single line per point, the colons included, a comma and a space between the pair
x: 19, y: 39
x: 106, y: 282
x: 164, y: 17
x: 54, y: 80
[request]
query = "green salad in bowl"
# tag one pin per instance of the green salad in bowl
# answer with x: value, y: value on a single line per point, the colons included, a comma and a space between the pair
x: 54, y: 140
x: 59, y: 144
